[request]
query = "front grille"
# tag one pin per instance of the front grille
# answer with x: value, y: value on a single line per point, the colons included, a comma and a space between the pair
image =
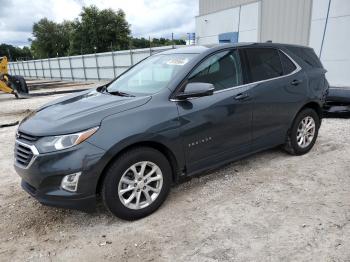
x: 26, y: 137
x: 23, y: 154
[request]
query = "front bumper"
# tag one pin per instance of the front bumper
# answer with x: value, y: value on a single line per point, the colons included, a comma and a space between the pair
x: 61, y: 198
x: 42, y: 179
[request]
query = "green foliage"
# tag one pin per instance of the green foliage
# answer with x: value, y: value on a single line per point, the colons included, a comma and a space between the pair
x: 155, y: 42
x: 94, y: 31
x: 14, y: 53
x: 100, y: 31
x: 51, y: 39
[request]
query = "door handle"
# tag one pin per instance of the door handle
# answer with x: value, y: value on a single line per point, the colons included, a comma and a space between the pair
x: 242, y: 96
x: 296, y: 82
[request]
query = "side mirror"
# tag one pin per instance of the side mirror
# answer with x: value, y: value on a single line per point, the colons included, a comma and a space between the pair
x: 196, y: 90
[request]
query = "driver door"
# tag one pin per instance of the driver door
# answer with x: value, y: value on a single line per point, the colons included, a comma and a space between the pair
x: 217, y: 128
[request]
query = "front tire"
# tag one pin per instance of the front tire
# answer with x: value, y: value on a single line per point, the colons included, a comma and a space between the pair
x: 137, y: 183
x: 303, y: 133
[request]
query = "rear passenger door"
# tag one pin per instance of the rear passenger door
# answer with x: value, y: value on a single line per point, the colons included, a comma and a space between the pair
x: 278, y: 90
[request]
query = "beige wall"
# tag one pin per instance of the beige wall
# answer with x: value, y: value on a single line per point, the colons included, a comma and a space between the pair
x: 285, y: 21
x: 210, y: 6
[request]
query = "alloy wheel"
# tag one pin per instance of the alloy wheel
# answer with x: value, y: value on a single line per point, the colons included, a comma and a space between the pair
x: 306, y: 131
x: 140, y: 185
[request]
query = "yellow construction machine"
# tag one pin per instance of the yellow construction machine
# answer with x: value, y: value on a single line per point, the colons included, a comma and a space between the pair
x: 15, y: 85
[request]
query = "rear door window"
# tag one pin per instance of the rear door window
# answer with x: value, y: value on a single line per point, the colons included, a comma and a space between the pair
x: 263, y: 63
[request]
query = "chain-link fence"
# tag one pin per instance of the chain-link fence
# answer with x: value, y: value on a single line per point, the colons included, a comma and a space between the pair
x: 101, y: 66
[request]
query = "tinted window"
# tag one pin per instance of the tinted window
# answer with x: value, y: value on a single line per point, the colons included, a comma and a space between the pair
x: 223, y: 70
x: 263, y: 63
x: 307, y: 55
x: 288, y: 65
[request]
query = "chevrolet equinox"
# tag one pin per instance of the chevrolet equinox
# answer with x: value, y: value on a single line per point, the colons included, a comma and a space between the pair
x: 169, y: 117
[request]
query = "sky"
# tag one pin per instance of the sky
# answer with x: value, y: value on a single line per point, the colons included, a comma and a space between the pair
x: 155, y: 18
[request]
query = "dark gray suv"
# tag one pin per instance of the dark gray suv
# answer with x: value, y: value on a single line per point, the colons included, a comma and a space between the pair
x: 169, y: 117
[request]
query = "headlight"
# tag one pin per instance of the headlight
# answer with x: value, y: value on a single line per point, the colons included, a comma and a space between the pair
x: 55, y: 143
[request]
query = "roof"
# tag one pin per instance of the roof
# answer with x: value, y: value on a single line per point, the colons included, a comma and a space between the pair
x: 257, y: 44
x: 195, y: 49
x: 201, y: 49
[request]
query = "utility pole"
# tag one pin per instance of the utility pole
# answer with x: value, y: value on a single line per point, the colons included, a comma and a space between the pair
x: 97, y: 66
x: 8, y: 51
x: 150, y: 45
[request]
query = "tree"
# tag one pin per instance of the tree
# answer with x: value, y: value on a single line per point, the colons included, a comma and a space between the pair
x: 51, y: 39
x: 139, y: 43
x: 94, y: 31
x: 14, y: 53
x: 163, y: 41
x: 100, y: 31
x: 155, y: 42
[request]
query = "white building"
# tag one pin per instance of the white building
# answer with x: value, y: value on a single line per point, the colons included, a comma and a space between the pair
x: 321, y: 24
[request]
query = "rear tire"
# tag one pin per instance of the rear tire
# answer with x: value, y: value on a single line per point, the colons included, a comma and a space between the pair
x: 128, y: 178
x: 303, y: 133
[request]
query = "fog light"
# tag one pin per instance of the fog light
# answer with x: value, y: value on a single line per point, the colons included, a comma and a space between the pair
x: 70, y: 182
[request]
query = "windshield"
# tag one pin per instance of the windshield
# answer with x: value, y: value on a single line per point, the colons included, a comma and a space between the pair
x: 150, y: 76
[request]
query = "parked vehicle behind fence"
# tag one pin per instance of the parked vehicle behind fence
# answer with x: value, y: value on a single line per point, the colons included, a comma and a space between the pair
x: 170, y: 117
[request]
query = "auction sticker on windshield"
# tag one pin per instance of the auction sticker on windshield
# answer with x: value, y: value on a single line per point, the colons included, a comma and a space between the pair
x: 177, y: 61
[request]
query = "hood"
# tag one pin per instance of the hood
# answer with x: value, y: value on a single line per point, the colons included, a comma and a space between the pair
x: 77, y: 112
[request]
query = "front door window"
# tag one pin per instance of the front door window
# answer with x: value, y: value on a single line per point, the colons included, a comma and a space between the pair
x: 223, y: 70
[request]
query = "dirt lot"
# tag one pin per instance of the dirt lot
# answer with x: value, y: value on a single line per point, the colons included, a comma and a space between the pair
x: 268, y: 207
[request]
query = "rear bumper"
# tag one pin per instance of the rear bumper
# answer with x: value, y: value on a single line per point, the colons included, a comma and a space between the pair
x: 338, y: 103
x: 336, y: 111
x: 338, y: 96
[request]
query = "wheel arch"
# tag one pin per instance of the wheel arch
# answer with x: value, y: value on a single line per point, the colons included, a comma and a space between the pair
x: 310, y: 105
x: 151, y: 144
x: 313, y: 105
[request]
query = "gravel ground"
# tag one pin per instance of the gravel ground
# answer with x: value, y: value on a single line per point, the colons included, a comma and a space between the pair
x: 267, y: 207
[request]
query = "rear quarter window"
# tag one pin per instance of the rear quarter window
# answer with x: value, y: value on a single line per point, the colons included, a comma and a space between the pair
x: 287, y: 64
x: 308, y: 56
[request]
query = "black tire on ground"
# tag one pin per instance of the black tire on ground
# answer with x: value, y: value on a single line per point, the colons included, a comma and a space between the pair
x: 115, y: 172
x: 21, y: 84
x: 291, y: 145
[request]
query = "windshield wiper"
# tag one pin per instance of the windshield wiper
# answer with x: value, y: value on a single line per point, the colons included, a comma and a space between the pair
x: 119, y: 93
x: 104, y: 89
